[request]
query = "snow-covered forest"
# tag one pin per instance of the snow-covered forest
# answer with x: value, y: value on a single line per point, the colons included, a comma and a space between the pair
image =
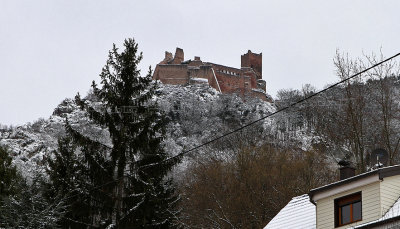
x: 68, y: 170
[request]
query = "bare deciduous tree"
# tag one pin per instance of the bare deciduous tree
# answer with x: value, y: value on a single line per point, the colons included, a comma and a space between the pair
x: 248, y: 190
x: 386, y: 96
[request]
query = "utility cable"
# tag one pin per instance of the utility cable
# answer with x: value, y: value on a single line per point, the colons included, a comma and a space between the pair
x: 278, y: 111
x: 249, y: 124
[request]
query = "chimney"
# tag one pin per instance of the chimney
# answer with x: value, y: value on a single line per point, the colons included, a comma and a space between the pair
x: 196, y: 58
x: 345, y: 170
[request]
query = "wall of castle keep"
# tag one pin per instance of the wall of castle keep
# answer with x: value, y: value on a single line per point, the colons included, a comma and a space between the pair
x: 246, y: 81
x: 203, y: 72
x: 231, y: 83
x: 171, y: 74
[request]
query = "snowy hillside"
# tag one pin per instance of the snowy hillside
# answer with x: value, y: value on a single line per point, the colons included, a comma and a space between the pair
x: 197, y: 113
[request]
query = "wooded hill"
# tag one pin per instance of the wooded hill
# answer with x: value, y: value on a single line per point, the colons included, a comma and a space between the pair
x: 239, y: 181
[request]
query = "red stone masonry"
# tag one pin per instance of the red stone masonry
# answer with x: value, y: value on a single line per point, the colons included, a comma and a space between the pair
x: 254, y: 61
x: 246, y: 81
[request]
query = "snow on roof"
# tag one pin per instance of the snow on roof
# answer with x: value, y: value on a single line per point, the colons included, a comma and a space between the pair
x: 394, y: 211
x: 298, y: 213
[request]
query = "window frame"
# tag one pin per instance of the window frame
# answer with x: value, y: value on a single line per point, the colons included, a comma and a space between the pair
x: 344, y: 201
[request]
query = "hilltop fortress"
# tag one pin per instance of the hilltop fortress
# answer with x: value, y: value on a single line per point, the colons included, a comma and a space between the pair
x: 246, y: 81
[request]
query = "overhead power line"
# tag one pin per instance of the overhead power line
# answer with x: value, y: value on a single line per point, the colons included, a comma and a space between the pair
x: 247, y: 125
x: 282, y: 109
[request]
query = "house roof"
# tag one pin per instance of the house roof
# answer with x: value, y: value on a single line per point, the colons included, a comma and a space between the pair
x: 382, y: 172
x: 298, y: 213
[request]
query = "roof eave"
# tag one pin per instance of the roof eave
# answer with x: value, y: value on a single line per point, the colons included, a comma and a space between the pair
x: 382, y: 172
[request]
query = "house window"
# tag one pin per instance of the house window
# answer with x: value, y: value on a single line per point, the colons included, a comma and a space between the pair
x: 348, y: 209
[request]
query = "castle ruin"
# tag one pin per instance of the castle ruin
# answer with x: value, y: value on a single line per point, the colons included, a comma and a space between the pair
x: 246, y: 81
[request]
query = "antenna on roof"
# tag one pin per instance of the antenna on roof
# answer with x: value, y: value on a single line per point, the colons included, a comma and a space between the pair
x: 379, y: 158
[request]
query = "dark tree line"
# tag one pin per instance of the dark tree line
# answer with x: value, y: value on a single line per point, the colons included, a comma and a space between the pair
x: 250, y: 188
x: 23, y: 202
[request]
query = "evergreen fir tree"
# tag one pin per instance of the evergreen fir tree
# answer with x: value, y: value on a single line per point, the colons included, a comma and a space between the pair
x: 74, y: 172
x: 28, y: 208
x: 131, y: 177
x: 8, y: 173
x: 22, y: 203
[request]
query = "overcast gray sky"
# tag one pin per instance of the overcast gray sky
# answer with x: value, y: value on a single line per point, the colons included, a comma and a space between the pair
x: 50, y: 50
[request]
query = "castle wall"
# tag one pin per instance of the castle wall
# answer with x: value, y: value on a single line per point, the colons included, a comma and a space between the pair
x: 172, y: 74
x: 246, y: 81
x: 249, y: 72
x: 232, y: 83
x: 203, y: 72
x: 226, y: 69
x: 196, y: 63
x: 230, y: 79
x: 257, y: 94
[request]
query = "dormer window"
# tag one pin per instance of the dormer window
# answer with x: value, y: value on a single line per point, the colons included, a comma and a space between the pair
x: 348, y: 209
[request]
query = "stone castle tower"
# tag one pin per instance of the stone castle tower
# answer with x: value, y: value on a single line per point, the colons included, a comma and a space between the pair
x: 254, y: 61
